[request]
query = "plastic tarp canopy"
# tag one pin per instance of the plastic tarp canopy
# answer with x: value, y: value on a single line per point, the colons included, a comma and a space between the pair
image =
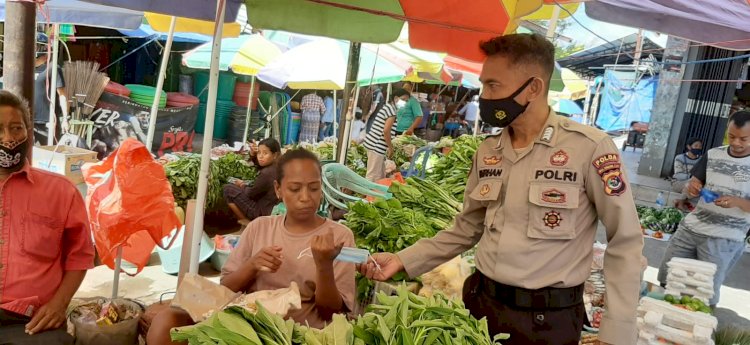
x: 623, y: 102
x: 196, y: 9
x: 84, y: 13
x: 722, y: 23
x: 146, y: 31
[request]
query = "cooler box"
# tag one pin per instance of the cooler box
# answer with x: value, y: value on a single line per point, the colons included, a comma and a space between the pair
x: 65, y: 160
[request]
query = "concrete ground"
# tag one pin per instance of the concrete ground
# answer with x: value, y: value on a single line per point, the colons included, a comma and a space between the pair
x: 734, y: 309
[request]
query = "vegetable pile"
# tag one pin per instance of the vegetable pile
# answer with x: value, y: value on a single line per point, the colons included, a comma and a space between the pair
x: 183, y: 176
x: 402, y: 319
x: 428, y: 197
x: 666, y: 220
x: 689, y: 303
x: 386, y: 226
x: 356, y: 159
x: 404, y: 147
x: 452, y: 171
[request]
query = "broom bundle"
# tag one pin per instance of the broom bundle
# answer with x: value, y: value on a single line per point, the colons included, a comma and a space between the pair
x: 84, y: 85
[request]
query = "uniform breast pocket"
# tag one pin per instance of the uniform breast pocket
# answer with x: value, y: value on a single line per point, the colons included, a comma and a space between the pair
x: 42, y: 237
x: 489, y: 194
x: 552, y: 211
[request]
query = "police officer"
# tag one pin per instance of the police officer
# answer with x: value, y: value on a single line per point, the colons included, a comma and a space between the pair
x: 534, y: 197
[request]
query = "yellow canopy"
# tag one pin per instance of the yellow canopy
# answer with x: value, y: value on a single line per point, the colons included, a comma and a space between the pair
x: 161, y: 22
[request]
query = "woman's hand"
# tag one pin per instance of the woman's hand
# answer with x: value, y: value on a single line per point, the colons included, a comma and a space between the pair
x: 239, y: 183
x: 324, y: 250
x: 268, y: 260
x: 253, y: 148
x: 727, y: 201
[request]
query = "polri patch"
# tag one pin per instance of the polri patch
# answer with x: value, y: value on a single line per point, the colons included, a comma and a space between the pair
x: 552, y: 219
x: 609, y: 168
x: 559, y: 158
x: 554, y: 196
x: 484, y: 190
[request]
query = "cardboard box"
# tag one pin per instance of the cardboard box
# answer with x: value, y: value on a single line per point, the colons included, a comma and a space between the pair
x: 66, y: 160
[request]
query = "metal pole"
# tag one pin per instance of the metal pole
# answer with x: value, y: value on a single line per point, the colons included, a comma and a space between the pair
x: 249, y: 109
x: 638, y: 49
x: 586, y: 105
x: 351, y: 83
x: 18, y: 56
x: 335, y: 115
x: 160, y: 85
x: 348, y: 127
x: 553, y: 23
x: 213, y: 85
x: 388, y: 93
x: 53, y: 87
x: 116, y: 280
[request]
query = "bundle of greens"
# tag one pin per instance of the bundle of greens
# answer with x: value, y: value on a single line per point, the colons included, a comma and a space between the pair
x: 386, y: 226
x: 183, y: 176
x: 665, y: 220
x: 410, y: 319
x: 402, y: 319
x: 428, y: 197
x: 404, y: 147
x: 356, y: 159
x: 452, y: 171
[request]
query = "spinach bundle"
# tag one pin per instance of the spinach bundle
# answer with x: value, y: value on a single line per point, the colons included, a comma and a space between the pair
x: 404, y: 147
x: 386, y: 226
x: 428, y: 197
x: 452, y: 171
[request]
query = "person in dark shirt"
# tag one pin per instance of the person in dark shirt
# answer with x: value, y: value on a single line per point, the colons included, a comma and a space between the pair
x: 250, y: 202
x: 42, y: 85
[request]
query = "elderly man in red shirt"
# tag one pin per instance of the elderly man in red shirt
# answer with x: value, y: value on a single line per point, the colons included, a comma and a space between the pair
x: 45, y: 239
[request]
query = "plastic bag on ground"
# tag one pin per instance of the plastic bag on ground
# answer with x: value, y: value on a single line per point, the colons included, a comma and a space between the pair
x: 130, y: 204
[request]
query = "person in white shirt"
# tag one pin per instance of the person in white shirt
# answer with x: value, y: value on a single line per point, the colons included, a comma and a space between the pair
x: 471, y: 112
x: 358, y: 128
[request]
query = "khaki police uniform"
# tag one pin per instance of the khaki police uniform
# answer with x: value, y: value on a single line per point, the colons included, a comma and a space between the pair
x: 534, y: 216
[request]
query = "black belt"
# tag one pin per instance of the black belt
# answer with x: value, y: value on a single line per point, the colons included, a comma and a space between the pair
x: 544, y: 298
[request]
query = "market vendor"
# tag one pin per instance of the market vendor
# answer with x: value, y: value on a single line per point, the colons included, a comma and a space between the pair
x: 378, y: 140
x: 45, y: 239
x: 250, y: 202
x: 535, y: 196
x: 275, y: 251
x: 410, y: 115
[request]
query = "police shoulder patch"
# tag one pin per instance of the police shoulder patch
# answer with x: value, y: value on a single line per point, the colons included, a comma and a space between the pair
x: 609, y: 168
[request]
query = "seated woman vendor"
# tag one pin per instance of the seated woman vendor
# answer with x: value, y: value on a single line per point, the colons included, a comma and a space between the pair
x: 250, y: 202
x: 268, y: 256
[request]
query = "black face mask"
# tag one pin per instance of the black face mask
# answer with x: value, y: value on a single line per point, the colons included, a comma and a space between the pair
x: 13, y: 154
x: 696, y: 152
x: 502, y: 112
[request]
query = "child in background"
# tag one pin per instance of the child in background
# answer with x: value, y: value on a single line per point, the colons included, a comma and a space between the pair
x: 268, y: 254
x: 250, y: 202
x: 358, y: 127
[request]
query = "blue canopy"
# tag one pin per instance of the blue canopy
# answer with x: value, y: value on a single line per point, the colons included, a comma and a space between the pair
x: 146, y: 31
x: 196, y: 9
x: 84, y: 13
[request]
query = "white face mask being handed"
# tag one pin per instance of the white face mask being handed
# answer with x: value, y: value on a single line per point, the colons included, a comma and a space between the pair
x: 347, y: 254
x: 400, y: 103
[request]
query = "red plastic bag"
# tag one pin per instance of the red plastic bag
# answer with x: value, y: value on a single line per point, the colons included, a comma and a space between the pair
x: 130, y: 204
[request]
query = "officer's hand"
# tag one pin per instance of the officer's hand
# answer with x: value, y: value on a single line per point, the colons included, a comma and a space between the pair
x: 387, y: 266
x: 694, y: 187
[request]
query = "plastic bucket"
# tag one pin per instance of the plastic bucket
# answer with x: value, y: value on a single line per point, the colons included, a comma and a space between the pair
x: 170, y: 258
x: 200, y: 122
x: 226, y: 86
x: 221, y: 126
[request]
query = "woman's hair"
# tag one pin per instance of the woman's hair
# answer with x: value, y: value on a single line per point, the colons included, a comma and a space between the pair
x: 272, y: 144
x: 400, y: 93
x: 693, y: 140
x: 292, y: 155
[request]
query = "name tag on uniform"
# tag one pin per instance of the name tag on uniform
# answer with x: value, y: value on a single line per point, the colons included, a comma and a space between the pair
x: 556, y: 175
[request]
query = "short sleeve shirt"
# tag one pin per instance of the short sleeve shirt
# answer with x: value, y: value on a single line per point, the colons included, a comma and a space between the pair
x: 408, y: 114
x: 270, y: 231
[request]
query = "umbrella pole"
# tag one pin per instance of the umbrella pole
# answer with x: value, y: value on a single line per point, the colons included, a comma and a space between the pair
x: 213, y: 84
x: 388, y: 92
x: 335, y: 115
x: 118, y: 265
x: 160, y: 85
x: 249, y: 109
x: 53, y: 87
x: 553, y: 23
x: 348, y: 127
x: 351, y: 83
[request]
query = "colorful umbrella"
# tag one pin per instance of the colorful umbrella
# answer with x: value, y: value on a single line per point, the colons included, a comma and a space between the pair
x: 196, y: 9
x: 161, y: 22
x: 245, y: 55
x: 318, y: 65
x: 566, y: 106
x: 720, y: 23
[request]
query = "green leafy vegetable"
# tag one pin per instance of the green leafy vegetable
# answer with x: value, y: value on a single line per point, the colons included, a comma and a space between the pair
x: 452, y: 171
